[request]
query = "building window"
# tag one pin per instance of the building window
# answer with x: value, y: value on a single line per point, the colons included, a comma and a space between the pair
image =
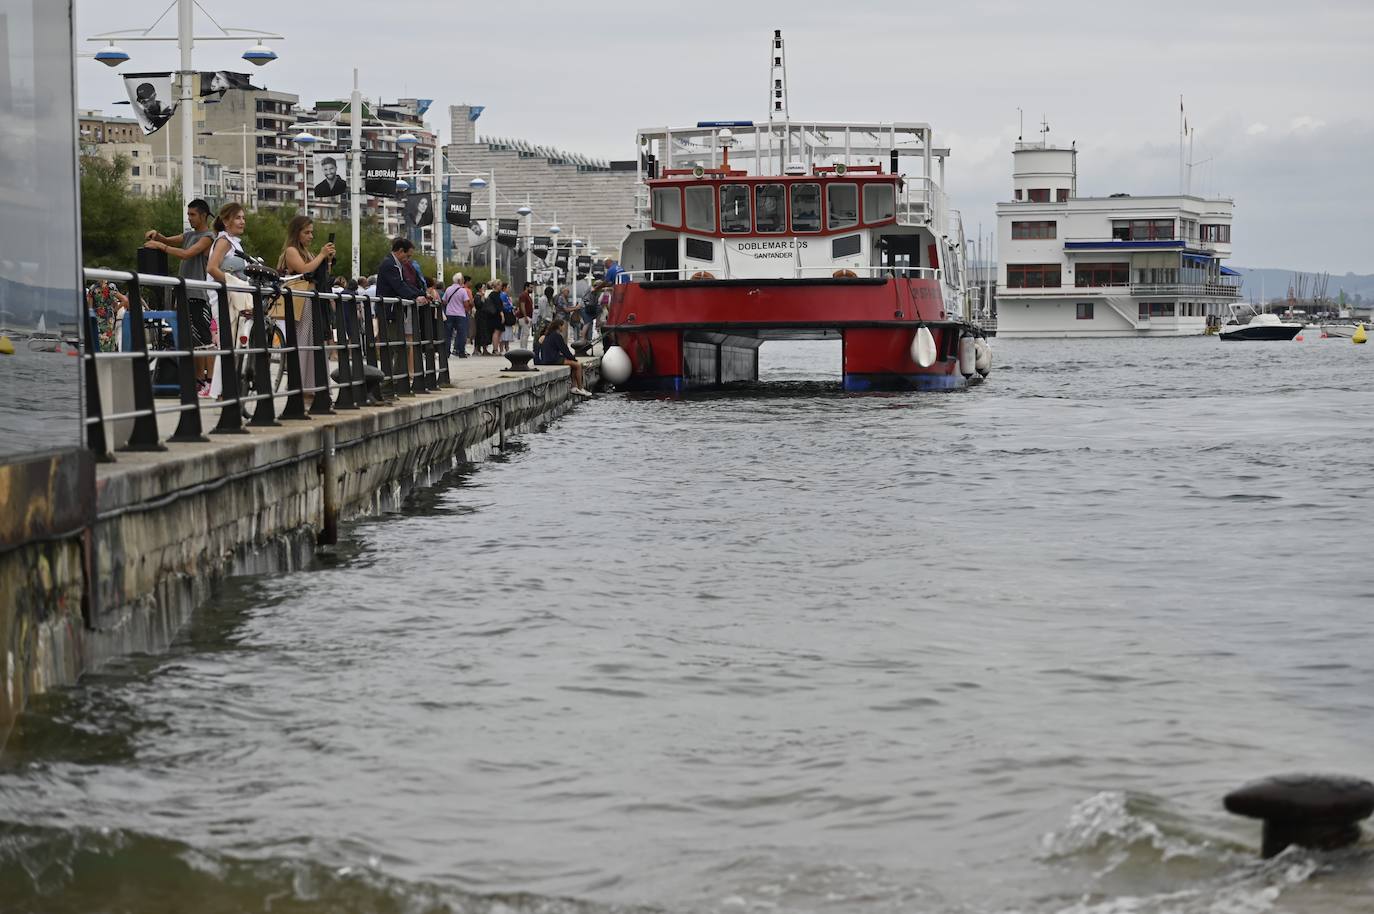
x: 1143, y: 229
x: 1085, y: 311
x: 1018, y: 193
x: 1149, y: 309
x: 1022, y: 231
x: 846, y: 246
x: 1038, y: 195
x: 1033, y: 275
x: 880, y: 202
x: 133, y: 170
x: 667, y: 208
x: 1090, y: 275
x: 1217, y: 234
x: 806, y: 207
x: 700, y: 249
x: 1062, y: 195
x: 701, y: 208
x: 770, y: 208
x: 734, y: 209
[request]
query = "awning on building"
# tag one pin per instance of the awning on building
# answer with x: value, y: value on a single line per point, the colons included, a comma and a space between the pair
x: 1227, y: 271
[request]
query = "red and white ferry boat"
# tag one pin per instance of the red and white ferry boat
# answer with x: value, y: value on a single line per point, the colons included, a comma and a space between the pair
x: 791, y: 230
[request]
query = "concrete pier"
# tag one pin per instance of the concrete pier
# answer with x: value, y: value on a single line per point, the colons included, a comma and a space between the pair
x: 170, y: 524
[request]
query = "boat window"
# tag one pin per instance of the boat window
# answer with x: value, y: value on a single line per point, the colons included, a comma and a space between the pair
x: 880, y: 202
x: 667, y: 206
x: 700, y: 248
x: 770, y: 210
x: 806, y: 207
x: 734, y: 208
x: 842, y: 205
x: 845, y: 246
x: 701, y: 208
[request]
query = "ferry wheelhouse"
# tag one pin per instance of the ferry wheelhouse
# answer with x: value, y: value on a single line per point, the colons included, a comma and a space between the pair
x: 792, y: 231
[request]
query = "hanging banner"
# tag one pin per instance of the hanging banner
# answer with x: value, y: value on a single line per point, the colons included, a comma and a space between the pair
x: 541, y: 247
x: 150, y: 95
x: 560, y: 258
x: 219, y: 82
x: 418, y: 215
x: 380, y: 170
x: 477, y: 233
x: 507, y: 231
x: 459, y: 208
x: 328, y: 181
x: 584, y: 265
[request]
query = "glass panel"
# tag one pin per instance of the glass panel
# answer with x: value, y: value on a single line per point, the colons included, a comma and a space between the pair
x: 806, y: 207
x: 40, y: 295
x: 842, y: 205
x: 667, y: 206
x: 734, y: 208
x: 770, y: 211
x: 701, y: 208
x: 880, y: 202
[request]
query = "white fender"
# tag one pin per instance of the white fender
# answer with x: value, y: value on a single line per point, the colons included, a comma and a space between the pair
x: 982, y: 357
x: 967, y: 357
x: 923, y: 347
x: 615, y: 365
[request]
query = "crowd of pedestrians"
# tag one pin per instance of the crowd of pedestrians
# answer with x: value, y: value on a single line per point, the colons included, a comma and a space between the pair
x: 479, y: 319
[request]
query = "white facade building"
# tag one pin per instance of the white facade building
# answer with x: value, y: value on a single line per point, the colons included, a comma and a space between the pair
x: 1073, y: 266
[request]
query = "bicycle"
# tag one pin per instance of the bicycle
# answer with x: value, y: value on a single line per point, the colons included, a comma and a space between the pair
x: 271, y: 282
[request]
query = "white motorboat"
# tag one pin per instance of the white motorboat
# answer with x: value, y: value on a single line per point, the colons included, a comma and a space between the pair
x: 1261, y: 326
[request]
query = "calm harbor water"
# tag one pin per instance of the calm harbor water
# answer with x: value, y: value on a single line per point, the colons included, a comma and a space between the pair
x: 998, y: 651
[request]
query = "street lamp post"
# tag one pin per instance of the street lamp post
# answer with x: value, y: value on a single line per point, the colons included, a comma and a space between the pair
x: 186, y: 38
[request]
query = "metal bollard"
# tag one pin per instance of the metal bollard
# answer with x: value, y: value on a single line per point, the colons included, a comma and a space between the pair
x: 264, y: 409
x: 322, y: 404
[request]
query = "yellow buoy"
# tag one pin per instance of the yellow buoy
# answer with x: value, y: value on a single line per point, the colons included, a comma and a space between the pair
x: 1359, y: 336
x: 6, y: 347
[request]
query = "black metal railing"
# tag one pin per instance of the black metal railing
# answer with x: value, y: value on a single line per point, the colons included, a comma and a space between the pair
x: 363, y: 336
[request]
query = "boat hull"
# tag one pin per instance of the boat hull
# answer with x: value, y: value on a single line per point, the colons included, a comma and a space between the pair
x: 690, y: 334
x: 1260, y: 334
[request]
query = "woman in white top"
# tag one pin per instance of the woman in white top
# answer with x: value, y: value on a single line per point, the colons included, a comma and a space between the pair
x: 226, y: 264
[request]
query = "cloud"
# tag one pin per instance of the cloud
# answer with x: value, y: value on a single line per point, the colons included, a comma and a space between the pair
x: 1306, y: 122
x: 1256, y: 129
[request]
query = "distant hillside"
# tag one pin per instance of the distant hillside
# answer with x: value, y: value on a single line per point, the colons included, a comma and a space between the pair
x: 1274, y: 283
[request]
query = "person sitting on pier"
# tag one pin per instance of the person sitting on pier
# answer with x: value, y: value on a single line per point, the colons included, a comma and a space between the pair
x: 554, y: 351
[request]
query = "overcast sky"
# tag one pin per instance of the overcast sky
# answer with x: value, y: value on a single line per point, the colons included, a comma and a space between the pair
x: 1281, y: 93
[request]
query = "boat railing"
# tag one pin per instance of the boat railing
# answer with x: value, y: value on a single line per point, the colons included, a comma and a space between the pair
x: 822, y: 272
x: 366, y: 336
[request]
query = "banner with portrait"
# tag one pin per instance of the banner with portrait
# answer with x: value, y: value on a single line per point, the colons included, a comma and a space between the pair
x: 218, y: 82
x: 477, y: 233
x: 507, y: 231
x: 380, y: 171
x: 150, y: 95
x: 327, y: 174
x: 459, y: 208
x: 419, y: 213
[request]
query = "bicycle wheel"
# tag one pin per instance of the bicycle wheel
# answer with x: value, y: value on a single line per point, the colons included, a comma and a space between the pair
x: 277, y: 341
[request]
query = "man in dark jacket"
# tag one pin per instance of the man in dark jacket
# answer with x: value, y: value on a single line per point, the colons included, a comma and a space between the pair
x: 397, y: 277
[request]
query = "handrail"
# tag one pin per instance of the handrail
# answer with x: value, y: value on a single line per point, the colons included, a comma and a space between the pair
x: 818, y: 272
x: 351, y: 339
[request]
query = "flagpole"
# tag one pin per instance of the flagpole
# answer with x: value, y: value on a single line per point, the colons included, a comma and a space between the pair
x: 355, y: 173
x: 1181, y: 131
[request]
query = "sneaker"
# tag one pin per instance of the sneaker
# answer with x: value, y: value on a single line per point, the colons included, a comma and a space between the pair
x: 203, y: 387
x: 581, y: 393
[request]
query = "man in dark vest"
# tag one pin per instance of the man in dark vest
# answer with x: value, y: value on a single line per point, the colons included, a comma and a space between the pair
x: 398, y: 277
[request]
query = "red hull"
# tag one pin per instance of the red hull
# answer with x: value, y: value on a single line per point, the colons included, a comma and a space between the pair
x: 707, y: 332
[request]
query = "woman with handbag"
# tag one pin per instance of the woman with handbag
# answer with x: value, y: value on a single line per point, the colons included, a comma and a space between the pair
x: 296, y: 258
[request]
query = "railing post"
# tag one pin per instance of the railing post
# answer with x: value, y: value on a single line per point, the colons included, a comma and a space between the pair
x: 322, y: 404
x: 231, y: 416
x: 431, y: 355
x: 145, y: 435
x: 264, y: 408
x: 295, y: 397
x: 345, y: 318
x: 443, y: 378
x: 95, y: 431
x: 400, y: 349
x: 358, y: 317
x: 188, y: 426
x: 374, y: 324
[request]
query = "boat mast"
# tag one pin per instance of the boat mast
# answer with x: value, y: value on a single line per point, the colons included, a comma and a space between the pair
x: 777, y: 101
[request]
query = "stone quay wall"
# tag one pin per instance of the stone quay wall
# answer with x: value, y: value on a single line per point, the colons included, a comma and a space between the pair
x: 169, y: 525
